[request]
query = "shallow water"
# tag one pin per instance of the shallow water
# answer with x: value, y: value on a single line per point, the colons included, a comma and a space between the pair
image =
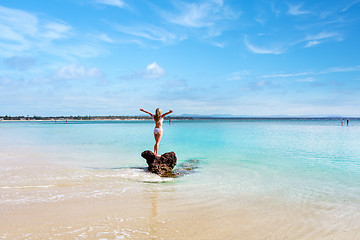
x: 293, y: 173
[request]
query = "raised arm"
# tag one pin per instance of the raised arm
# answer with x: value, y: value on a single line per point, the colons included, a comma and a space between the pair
x: 147, y: 112
x: 167, y: 113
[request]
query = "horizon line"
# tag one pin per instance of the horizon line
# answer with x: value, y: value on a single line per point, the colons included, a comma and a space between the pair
x: 196, y: 116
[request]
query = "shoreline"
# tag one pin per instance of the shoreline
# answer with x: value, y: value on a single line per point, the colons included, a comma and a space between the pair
x: 91, y: 204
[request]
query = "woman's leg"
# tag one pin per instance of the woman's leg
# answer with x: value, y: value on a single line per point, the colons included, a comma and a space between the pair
x: 157, y: 141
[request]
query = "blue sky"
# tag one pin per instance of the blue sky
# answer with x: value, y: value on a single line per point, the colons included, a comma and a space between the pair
x: 112, y: 57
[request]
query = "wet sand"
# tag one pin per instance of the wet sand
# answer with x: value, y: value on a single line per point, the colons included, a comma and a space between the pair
x: 47, y: 201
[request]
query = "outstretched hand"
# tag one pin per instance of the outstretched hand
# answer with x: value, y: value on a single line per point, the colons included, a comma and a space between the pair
x: 170, y: 111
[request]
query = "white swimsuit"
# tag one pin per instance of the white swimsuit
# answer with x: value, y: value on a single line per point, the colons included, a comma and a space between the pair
x: 158, y: 130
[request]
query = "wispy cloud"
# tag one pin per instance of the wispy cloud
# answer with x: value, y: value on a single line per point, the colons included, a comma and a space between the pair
x: 313, y: 40
x: 323, y: 35
x: 147, y: 31
x: 311, y: 30
x: 316, y: 39
x: 310, y: 40
x: 15, y: 27
x: 238, y: 75
x: 218, y: 44
x: 295, y: 9
x: 72, y: 52
x: 152, y: 71
x: 210, y: 15
x: 342, y: 69
x: 262, y: 50
x: 21, y: 31
x: 312, y: 43
x: 114, y: 3
x: 14, y: 24
x: 196, y: 15
x: 75, y: 71
x: 350, y: 4
x: 327, y: 71
x: 55, y: 30
x: 104, y: 37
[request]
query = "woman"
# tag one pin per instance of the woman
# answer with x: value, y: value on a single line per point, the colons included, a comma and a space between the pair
x: 158, y: 130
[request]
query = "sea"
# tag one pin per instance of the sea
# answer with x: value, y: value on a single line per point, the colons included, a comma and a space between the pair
x: 265, y: 178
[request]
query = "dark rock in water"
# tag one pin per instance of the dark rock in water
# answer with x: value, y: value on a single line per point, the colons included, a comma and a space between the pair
x: 160, y: 164
x: 184, y: 168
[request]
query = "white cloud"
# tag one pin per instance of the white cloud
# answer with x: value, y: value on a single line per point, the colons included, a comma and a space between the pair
x: 21, y: 31
x: 238, y: 75
x: 105, y: 38
x: 55, y: 30
x: 19, y: 26
x: 147, y: 31
x: 322, y: 35
x: 261, y: 50
x: 15, y: 28
x: 312, y: 40
x: 326, y: 71
x: 342, y: 69
x: 199, y: 15
x: 75, y: 71
x: 217, y: 44
x: 352, y: 3
x: 211, y: 18
x: 287, y: 75
x: 312, y: 43
x: 194, y: 15
x: 115, y: 3
x: 235, y: 77
x: 295, y: 10
x: 18, y: 22
x: 153, y: 70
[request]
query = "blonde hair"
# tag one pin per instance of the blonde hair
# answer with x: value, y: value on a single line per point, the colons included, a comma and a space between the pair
x: 158, y: 114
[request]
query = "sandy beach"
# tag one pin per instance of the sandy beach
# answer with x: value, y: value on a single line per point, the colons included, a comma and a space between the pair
x: 42, y: 200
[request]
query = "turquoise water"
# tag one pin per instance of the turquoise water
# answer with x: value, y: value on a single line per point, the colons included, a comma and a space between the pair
x: 295, y: 159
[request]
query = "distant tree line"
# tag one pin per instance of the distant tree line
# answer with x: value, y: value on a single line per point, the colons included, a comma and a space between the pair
x: 60, y: 118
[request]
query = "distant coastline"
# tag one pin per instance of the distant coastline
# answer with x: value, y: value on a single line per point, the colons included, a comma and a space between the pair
x: 84, y: 118
x: 142, y: 118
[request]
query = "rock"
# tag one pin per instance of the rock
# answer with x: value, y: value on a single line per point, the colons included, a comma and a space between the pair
x: 160, y: 164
